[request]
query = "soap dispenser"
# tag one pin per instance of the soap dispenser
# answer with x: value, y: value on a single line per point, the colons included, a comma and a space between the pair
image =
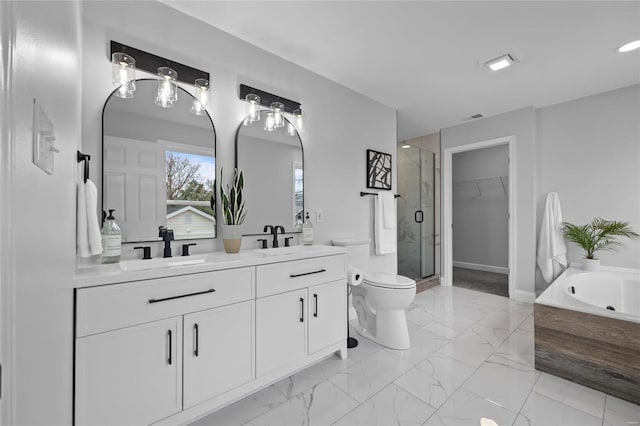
x: 111, y: 240
x: 307, y: 231
x: 299, y: 223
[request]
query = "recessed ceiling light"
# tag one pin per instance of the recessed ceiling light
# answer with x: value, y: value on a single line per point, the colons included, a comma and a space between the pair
x: 629, y: 46
x: 500, y: 62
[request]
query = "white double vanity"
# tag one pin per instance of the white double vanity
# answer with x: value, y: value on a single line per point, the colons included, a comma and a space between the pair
x: 168, y: 341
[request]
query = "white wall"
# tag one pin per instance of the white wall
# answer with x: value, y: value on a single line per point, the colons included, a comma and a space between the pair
x: 481, y: 207
x: 341, y: 123
x: 588, y: 151
x: 521, y: 124
x: 46, y: 65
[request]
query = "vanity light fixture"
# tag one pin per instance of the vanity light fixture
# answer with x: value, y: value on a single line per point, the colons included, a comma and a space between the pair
x: 124, y: 74
x: 167, y: 87
x: 278, y: 114
x: 631, y: 46
x: 201, y: 99
x: 299, y: 119
x: 291, y: 129
x: 501, y: 62
x: 270, y: 121
x: 253, y: 108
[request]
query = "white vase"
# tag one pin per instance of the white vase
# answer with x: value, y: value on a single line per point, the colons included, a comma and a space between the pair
x: 590, y: 265
x: 232, y: 238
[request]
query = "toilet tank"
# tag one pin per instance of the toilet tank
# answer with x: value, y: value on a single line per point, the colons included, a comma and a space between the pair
x: 357, y: 251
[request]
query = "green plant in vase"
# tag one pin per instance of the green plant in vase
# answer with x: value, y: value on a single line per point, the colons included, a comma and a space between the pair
x: 598, y: 235
x: 233, y: 211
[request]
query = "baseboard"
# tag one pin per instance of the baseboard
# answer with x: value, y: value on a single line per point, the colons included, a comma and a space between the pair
x: 479, y: 267
x: 524, y: 296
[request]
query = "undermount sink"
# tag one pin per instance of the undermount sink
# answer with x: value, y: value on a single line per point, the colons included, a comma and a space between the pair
x: 169, y: 262
x: 289, y: 250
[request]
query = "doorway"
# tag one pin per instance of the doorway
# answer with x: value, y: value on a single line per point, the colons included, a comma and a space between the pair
x: 473, y: 194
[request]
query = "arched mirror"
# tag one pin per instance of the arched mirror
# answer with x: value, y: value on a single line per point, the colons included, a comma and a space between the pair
x: 159, y: 165
x: 273, y: 165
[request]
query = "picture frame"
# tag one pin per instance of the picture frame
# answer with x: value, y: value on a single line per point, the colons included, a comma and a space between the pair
x: 378, y: 170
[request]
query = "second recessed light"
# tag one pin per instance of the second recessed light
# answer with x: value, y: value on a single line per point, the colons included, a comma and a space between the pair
x: 501, y: 62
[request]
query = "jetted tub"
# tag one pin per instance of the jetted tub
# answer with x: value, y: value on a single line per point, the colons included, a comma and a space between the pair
x: 587, y: 329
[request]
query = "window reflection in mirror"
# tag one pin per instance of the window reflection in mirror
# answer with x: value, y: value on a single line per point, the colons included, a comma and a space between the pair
x: 158, y: 166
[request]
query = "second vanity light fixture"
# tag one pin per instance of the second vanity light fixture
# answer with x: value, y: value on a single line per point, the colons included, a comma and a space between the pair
x: 274, y: 116
x: 127, y: 59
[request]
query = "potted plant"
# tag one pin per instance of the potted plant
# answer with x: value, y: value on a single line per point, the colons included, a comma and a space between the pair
x: 233, y: 211
x: 600, y: 234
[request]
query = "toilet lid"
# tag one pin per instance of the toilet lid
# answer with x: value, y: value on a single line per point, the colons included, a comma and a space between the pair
x: 389, y: 281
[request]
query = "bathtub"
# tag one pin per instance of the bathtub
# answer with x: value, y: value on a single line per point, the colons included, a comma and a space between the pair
x: 587, y: 329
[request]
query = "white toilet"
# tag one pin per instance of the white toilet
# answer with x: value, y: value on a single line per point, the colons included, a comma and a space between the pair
x: 380, y: 300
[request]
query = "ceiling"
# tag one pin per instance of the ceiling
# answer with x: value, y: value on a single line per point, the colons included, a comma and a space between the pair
x: 423, y: 57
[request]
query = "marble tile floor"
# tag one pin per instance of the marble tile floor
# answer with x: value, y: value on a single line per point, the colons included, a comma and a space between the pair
x: 471, y: 359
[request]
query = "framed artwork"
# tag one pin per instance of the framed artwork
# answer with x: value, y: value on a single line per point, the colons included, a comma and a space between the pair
x: 378, y: 170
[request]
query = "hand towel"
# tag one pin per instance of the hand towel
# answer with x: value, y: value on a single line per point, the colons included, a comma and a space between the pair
x: 93, y: 227
x: 552, y: 251
x: 82, y: 237
x: 88, y: 238
x: 388, y: 209
x: 385, y: 238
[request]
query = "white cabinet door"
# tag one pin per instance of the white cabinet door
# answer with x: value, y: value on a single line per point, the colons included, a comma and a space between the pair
x: 218, y: 351
x: 130, y: 376
x: 281, y: 331
x: 327, y: 315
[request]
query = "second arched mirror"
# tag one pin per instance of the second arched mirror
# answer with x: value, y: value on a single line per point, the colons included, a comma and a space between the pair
x: 273, y: 165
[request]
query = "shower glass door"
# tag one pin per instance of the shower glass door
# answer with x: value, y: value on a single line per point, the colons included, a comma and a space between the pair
x: 416, y: 212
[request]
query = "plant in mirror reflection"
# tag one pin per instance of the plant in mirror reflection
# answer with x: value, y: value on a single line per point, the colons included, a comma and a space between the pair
x: 232, y: 199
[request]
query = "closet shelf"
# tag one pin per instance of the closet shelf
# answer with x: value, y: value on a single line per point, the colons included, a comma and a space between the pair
x: 484, y: 182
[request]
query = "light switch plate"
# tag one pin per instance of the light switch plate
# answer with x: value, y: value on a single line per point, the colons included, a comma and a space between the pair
x: 319, y: 216
x: 43, y: 139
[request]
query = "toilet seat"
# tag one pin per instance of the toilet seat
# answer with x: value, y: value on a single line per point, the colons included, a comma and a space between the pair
x: 389, y: 281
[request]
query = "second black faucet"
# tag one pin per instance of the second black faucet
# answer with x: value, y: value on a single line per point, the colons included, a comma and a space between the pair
x: 274, y: 231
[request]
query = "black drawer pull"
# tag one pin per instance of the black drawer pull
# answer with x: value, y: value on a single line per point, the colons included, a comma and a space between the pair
x: 195, y: 329
x: 181, y: 296
x: 315, y: 297
x: 301, y: 309
x: 307, y: 273
x: 170, y: 347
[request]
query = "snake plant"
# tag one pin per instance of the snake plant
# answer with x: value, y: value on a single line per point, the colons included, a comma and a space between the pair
x: 232, y: 199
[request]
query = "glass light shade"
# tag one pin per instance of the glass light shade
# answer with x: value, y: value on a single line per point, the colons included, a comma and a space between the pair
x: 299, y: 119
x: 253, y: 107
x: 278, y: 114
x: 291, y: 129
x: 201, y: 97
x: 167, y: 87
x: 270, y: 121
x: 124, y: 74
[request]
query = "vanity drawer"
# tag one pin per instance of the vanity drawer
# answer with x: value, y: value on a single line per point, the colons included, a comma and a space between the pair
x: 109, y: 307
x: 286, y: 276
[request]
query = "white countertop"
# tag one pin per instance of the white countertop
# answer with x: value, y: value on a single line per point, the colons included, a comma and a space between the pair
x: 135, y: 270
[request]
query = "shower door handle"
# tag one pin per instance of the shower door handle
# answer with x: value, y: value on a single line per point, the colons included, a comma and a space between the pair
x: 419, y: 216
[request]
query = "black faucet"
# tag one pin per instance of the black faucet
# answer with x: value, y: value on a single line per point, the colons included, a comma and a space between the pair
x: 167, y: 237
x: 274, y: 231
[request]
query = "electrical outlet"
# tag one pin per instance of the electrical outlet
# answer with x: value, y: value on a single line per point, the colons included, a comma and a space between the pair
x: 319, y: 216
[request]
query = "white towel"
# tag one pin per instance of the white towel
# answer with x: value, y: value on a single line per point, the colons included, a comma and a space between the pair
x: 552, y: 251
x: 388, y: 209
x: 95, y: 238
x: 385, y: 238
x: 88, y: 236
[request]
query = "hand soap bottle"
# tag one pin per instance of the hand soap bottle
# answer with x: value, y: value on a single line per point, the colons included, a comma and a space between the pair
x: 299, y: 223
x: 307, y: 231
x: 111, y: 240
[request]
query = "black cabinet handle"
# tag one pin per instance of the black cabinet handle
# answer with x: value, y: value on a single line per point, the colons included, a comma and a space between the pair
x: 315, y: 297
x: 307, y: 273
x: 419, y: 216
x: 170, y: 346
x: 195, y: 330
x: 181, y: 296
x: 301, y: 309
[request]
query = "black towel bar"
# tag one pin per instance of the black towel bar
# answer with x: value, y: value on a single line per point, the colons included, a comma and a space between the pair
x: 86, y: 158
x: 362, y: 194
